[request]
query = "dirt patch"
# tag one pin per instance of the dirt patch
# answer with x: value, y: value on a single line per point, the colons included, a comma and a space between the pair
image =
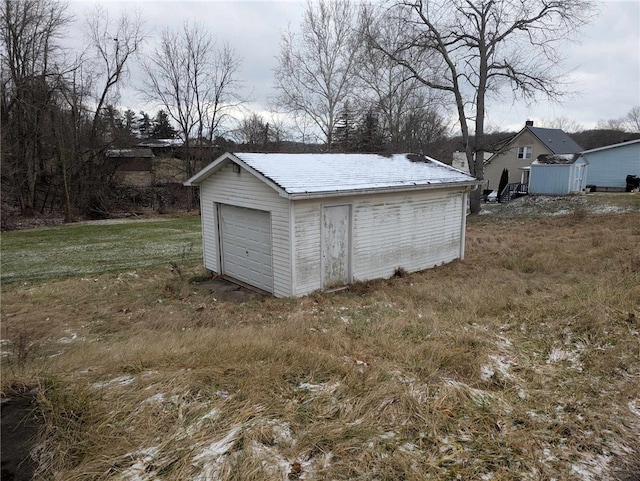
x: 19, y: 426
x: 225, y: 290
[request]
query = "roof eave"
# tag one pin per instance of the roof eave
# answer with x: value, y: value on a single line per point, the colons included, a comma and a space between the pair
x: 612, y: 146
x: 198, y: 178
x: 380, y: 190
x: 217, y: 165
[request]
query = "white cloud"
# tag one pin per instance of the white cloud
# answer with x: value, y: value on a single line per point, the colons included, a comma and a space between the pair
x: 605, y: 65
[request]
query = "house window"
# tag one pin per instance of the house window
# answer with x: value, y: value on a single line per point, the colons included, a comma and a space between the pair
x: 525, y: 152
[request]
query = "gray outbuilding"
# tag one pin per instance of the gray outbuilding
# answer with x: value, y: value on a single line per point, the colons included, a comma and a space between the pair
x: 291, y: 224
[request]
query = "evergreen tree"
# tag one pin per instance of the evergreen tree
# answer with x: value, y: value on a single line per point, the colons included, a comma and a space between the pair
x: 144, y: 126
x: 162, y: 128
x: 504, y: 180
x: 129, y: 122
x: 344, y: 133
x: 368, y: 137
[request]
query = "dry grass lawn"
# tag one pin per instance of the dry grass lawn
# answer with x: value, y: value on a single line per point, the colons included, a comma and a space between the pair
x: 521, y: 362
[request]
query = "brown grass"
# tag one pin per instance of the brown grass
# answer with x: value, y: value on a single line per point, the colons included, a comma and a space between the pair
x: 521, y: 362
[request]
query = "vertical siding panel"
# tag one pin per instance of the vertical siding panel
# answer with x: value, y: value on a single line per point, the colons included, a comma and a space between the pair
x: 307, y: 215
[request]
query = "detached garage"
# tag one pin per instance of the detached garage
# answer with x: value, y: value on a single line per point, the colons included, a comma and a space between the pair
x: 290, y: 224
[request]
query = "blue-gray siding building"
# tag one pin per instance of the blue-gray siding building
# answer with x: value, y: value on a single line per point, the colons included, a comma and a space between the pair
x: 610, y: 165
x: 558, y: 174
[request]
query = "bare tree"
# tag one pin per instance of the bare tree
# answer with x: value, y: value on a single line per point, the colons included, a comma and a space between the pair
x: 223, y: 96
x: 112, y: 44
x: 194, y: 82
x: 477, y: 48
x: 564, y: 123
x: 633, y: 119
x: 392, y: 89
x: 29, y: 77
x: 315, y: 72
x: 257, y: 133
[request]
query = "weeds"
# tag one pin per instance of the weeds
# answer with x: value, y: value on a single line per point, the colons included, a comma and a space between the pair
x: 519, y: 363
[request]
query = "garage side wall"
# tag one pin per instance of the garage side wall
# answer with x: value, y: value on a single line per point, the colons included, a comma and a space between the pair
x: 245, y: 190
x: 414, y: 231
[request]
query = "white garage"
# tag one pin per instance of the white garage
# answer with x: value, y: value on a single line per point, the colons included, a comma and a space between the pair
x: 290, y: 224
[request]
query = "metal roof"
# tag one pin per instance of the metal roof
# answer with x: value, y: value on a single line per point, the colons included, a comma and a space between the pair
x: 556, y: 159
x: 556, y: 140
x: 613, y: 146
x: 134, y: 153
x: 315, y: 175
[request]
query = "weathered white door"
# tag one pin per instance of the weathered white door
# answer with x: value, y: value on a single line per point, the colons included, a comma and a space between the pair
x: 335, y: 245
x: 577, y: 181
x: 245, y: 245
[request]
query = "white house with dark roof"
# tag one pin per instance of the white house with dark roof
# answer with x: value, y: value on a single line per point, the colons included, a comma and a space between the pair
x: 518, y: 152
x: 610, y: 165
x: 291, y: 224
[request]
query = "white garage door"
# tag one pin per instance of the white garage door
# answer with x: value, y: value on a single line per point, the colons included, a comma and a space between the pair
x: 246, y: 245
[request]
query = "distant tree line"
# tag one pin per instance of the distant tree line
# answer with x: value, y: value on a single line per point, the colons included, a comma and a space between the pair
x: 353, y: 78
x: 59, y: 109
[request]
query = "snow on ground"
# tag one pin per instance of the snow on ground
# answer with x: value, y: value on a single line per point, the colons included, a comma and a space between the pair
x: 549, y: 206
x: 118, y: 381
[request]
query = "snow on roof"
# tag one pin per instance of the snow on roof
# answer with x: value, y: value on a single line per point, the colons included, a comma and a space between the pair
x: 556, y: 159
x: 135, y: 152
x: 298, y: 174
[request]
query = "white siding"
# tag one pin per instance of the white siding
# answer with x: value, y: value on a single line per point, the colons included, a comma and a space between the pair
x: 414, y: 231
x: 245, y: 190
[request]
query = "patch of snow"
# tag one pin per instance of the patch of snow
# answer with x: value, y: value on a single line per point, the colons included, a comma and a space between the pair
x: 309, y: 467
x: 634, y: 406
x: 155, y: 399
x: 119, y: 381
x: 322, y: 387
x: 211, y: 456
x: 140, y: 469
x: 67, y: 340
x: 610, y: 209
x: 592, y: 467
x: 274, y: 463
x: 486, y: 373
x: 408, y: 447
x: 558, y: 355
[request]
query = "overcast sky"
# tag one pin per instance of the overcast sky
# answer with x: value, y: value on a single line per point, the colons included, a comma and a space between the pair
x: 605, y: 65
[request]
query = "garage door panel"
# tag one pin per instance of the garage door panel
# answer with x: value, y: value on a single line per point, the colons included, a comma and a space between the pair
x: 246, y: 245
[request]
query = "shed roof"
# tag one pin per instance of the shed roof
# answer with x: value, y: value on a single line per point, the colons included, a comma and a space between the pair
x: 556, y: 159
x: 317, y: 175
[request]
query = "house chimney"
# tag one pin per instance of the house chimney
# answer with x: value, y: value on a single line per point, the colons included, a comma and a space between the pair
x: 529, y: 123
